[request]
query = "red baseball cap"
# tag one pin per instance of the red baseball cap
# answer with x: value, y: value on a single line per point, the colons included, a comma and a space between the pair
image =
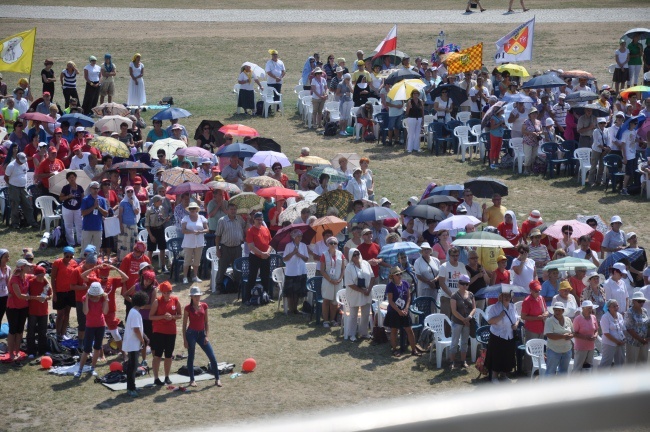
x: 39, y: 270
x: 75, y: 148
x: 52, y: 149
x: 58, y: 130
x: 535, y: 286
x: 137, y: 180
x: 165, y: 287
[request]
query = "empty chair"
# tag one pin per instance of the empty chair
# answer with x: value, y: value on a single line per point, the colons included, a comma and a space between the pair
x: 277, y: 277
x: 268, y: 96
x: 463, y: 117
x: 552, y: 160
x: 472, y: 122
x: 437, y: 324
x: 462, y: 134
x: 314, y: 285
x: 436, y: 138
x: 517, y: 146
x: 46, y: 204
x: 302, y: 95
x: 568, y: 147
x: 235, y: 90
x: 211, y: 255
x: 614, y: 171
x: 583, y: 157
x: 535, y: 349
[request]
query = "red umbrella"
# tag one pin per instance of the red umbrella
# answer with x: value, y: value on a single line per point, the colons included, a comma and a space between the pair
x: 277, y: 192
x: 283, y: 236
x: 576, y: 74
x: 37, y: 117
x: 239, y: 130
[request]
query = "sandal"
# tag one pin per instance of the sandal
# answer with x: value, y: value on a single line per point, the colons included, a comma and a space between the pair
x: 193, y: 384
x: 483, y: 10
x: 416, y: 353
x: 396, y: 352
x: 468, y: 11
x: 218, y: 383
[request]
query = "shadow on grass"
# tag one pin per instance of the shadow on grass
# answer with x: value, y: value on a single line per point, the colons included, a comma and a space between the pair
x: 376, y: 355
x: 278, y: 320
x: 119, y: 399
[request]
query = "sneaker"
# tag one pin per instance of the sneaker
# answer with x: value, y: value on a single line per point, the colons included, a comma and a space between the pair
x: 93, y: 372
x: 343, y: 133
x: 334, y: 324
x: 326, y: 324
x: 495, y: 380
x: 196, y: 279
x: 132, y: 393
x: 144, y: 363
x: 77, y: 374
x: 168, y: 381
x: 158, y: 382
x: 185, y: 280
x: 624, y: 192
x: 353, y: 338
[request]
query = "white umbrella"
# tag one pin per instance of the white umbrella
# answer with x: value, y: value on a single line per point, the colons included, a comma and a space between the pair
x: 353, y: 160
x: 112, y: 123
x: 268, y: 158
x: 258, y: 72
x: 58, y: 180
x: 308, y: 196
x: 293, y: 211
x: 169, y: 145
x: 457, y: 222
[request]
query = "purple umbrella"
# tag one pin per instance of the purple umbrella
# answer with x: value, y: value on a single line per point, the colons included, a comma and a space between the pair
x: 188, y: 187
x: 283, y: 236
x: 195, y: 152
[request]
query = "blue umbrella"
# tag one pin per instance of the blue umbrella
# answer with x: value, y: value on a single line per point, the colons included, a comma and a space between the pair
x: 390, y: 251
x: 629, y: 253
x: 237, y: 149
x: 75, y: 118
x: 171, y: 113
x: 444, y: 190
x: 544, y: 81
x: 626, y: 125
x: 374, y: 214
x: 493, y: 291
x: 518, y: 98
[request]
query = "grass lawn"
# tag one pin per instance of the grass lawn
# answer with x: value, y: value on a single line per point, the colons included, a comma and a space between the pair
x: 300, y: 366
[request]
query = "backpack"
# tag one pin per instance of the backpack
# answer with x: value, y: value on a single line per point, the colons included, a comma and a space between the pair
x: 229, y: 286
x: 185, y: 372
x: 112, y: 378
x: 62, y: 360
x: 259, y: 297
x: 53, y: 345
x: 47, y: 266
x: 480, y: 363
x: 259, y: 108
x: 369, y: 136
x: 331, y: 129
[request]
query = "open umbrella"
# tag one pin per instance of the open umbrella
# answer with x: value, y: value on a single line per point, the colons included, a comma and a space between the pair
x: 37, y: 116
x: 579, y: 229
x: 576, y: 74
x: 514, y: 69
x: 445, y: 189
x: 240, y: 150
x: 482, y: 239
x: 424, y: 212
x: 177, y: 176
x: 112, y: 123
x: 601, y: 225
x: 631, y: 254
x: 169, y: 145
x: 188, y: 187
x: 374, y: 214
x: 644, y: 131
x: 396, y: 57
x: 111, y: 109
x: 457, y: 222
x: 224, y: 186
x: 581, y: 96
x: 456, y: 94
x: 485, y: 187
x: 340, y: 199
x: 332, y: 223
x: 293, y: 211
x: 263, y: 182
x: 171, y: 113
x: 239, y: 130
x: 309, y: 196
x: 197, y: 152
x: 626, y: 125
x: 403, y: 89
x: 214, y: 125
x: 264, y: 144
x: 401, y: 75
x: 490, y: 112
x: 644, y: 90
x: 353, y: 160
x: 644, y: 33
x: 596, y: 110
x: 268, y: 158
x: 277, y: 193
x: 111, y: 146
x: 58, y: 180
x: 548, y: 80
x: 246, y: 202
x: 311, y: 161
x: 335, y: 175
x: 283, y: 236
x: 569, y: 264
x: 493, y: 291
x: 438, y: 199
x: 390, y: 251
x: 517, y: 97
x: 130, y: 165
x: 74, y: 118
x: 258, y: 71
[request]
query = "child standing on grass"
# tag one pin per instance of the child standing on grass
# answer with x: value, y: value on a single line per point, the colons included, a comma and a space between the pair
x: 134, y: 339
x: 95, y: 306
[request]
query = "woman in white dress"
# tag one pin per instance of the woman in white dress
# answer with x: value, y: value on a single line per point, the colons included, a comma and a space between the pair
x: 358, y: 276
x: 332, y: 264
x: 136, y: 95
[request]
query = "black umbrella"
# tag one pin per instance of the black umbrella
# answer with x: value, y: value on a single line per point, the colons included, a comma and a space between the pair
x: 438, y: 199
x: 544, y: 81
x: 485, y: 187
x: 215, y: 125
x: 581, y: 96
x: 401, y: 75
x: 596, y: 110
x: 424, y: 212
x: 264, y: 144
x: 130, y: 165
x: 457, y: 94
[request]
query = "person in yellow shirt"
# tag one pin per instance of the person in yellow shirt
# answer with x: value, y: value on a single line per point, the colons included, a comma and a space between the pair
x: 361, y: 70
x: 494, y: 214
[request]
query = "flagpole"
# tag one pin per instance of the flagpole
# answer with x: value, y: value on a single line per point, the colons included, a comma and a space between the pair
x: 31, y: 65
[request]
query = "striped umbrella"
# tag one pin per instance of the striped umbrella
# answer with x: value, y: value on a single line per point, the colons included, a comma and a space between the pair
x: 111, y: 146
x: 176, y: 176
x: 403, y: 89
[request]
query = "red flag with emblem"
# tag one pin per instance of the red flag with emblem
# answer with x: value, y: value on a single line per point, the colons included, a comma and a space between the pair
x: 517, y: 45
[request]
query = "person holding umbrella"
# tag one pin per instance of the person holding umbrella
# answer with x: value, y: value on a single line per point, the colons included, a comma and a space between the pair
x: 295, y: 256
x: 246, y: 99
x: 258, y: 239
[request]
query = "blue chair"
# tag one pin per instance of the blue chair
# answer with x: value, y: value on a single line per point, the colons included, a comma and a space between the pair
x: 314, y: 286
x: 485, y: 142
x: 615, y: 172
x: 174, y: 245
x: 568, y: 147
x: 276, y: 262
x: 421, y: 307
x: 242, y: 271
x: 453, y: 124
x: 292, y: 184
x: 473, y: 122
x: 439, y: 136
x: 550, y: 150
x: 382, y: 120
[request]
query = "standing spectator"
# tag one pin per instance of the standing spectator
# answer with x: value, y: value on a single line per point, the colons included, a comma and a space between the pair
x: 68, y: 79
x: 494, y: 214
x: 532, y: 132
x: 133, y: 264
x: 136, y: 95
x: 95, y: 306
x: 450, y: 273
x: 246, y: 98
x: 275, y: 72
x: 533, y: 313
x: 91, y: 76
x: 234, y: 173
x: 79, y: 286
x: 332, y: 264
x: 503, y: 320
x: 40, y: 293
x: 613, y: 343
x: 319, y: 93
x: 129, y: 215
x: 621, y: 72
x: 629, y: 149
x: 585, y: 333
x: 538, y: 252
x: 93, y: 210
x: 584, y: 251
x: 636, y: 324
x: 615, y: 287
x: 63, y: 298
x: 16, y: 177
x: 17, y: 307
x: 585, y: 126
x: 523, y: 267
x: 636, y: 266
x: 71, y: 196
x: 194, y: 227
x: 258, y: 239
x: 414, y: 118
x: 463, y: 308
x: 108, y: 72
x: 558, y: 330
x: 635, y: 60
x: 295, y: 272
x: 397, y: 318
x: 10, y: 115
x: 358, y: 280
x: 165, y: 311
x: 479, y: 96
x: 473, y: 208
x: 560, y: 110
x: 229, y: 236
x: 5, y: 275
x: 134, y: 339
x: 614, y: 240
x: 155, y: 220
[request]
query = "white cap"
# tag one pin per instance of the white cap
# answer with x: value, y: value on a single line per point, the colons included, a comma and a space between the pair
x: 95, y: 289
x: 602, y: 120
x: 383, y: 201
x: 550, y: 122
x: 414, y: 200
x: 80, y: 129
x: 620, y: 114
x: 562, y: 96
x: 144, y: 265
x: 614, y: 219
x: 629, y: 235
x: 620, y: 267
x: 588, y: 303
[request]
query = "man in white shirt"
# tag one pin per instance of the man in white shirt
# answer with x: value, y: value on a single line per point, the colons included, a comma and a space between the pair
x: 560, y: 110
x: 80, y: 159
x: 275, y: 72
x: 427, y: 269
x: 355, y: 65
x: 16, y: 179
x: 479, y: 95
x: 472, y: 208
x: 20, y: 103
x: 599, y: 149
x: 467, y: 84
x: 584, y: 252
x: 450, y: 273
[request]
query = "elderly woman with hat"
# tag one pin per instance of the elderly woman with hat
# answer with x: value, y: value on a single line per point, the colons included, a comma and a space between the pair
x: 637, y: 323
x: 585, y: 333
x: 344, y: 92
x: 612, y: 325
x: 295, y: 256
x: 246, y: 98
x: 358, y: 278
x: 567, y: 299
x: 165, y: 311
x: 95, y: 306
x: 614, y: 240
x: 332, y: 263
x: 532, y: 132
x: 194, y: 227
x: 398, y: 294
x: 195, y: 330
x: 357, y: 185
x: 319, y: 93
x: 503, y: 320
x: 615, y: 287
x: 558, y: 330
x: 594, y: 291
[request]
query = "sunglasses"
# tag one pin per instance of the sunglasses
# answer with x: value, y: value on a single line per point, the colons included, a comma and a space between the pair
x: 454, y: 255
x: 567, y: 232
x: 332, y: 244
x: 640, y: 301
x: 129, y: 192
x: 463, y: 283
x: 356, y: 254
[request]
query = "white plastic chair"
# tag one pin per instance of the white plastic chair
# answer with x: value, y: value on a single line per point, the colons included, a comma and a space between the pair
x: 332, y: 109
x: 143, y: 236
x: 373, y: 101
x: 311, y: 270
x: 302, y: 95
x: 268, y: 96
x: 307, y: 110
x: 462, y: 133
x: 211, y: 254
x: 45, y: 204
x: 278, y: 278
x: 29, y: 178
x: 480, y: 317
x: 518, y: 306
x: 297, y: 89
x: 437, y: 323
x: 535, y: 349
x: 583, y: 155
x: 171, y: 232
x: 342, y: 300
x: 378, y: 293
x: 517, y: 145
x: 463, y: 117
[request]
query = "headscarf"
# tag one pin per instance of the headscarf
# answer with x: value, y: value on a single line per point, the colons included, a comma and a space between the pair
x: 515, y: 228
x: 351, y: 252
x: 133, y: 201
x: 3, y: 252
x: 108, y: 66
x: 135, y: 56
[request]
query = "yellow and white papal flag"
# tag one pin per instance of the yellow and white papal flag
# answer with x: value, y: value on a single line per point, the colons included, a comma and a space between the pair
x: 18, y: 52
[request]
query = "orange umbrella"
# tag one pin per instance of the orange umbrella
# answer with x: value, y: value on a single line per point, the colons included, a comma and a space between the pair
x: 277, y: 192
x: 332, y: 223
x: 239, y: 130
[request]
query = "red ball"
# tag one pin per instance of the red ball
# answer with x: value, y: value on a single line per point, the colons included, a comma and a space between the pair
x: 46, y: 362
x: 116, y: 367
x: 249, y: 365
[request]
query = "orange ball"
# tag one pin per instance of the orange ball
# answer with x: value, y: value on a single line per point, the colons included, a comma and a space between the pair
x: 46, y: 362
x: 116, y: 367
x: 249, y: 365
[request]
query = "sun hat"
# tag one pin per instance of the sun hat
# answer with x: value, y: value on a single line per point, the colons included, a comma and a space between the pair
x: 425, y: 245
x: 22, y: 262
x: 383, y: 201
x: 144, y: 265
x: 192, y: 205
x: 92, y: 58
x: 535, y: 232
x: 535, y: 286
x: 91, y: 259
x: 318, y: 70
x: 360, y: 63
x: 638, y: 295
x: 128, y: 188
x: 620, y: 267
x: 588, y: 303
x: 565, y: 285
x: 52, y: 149
x: 558, y: 305
x: 628, y: 236
x: 395, y: 271
x: 562, y: 96
x: 550, y: 122
x: 339, y: 69
x: 95, y: 289
x: 332, y: 240
x: 195, y: 291
x: 620, y: 114
x: 21, y: 157
x: 502, y: 258
x: 258, y: 215
x: 366, y: 231
x: 590, y: 274
x: 149, y: 275
x: 533, y: 110
x: 165, y: 287
x: 614, y: 219
x: 413, y: 200
x: 464, y: 279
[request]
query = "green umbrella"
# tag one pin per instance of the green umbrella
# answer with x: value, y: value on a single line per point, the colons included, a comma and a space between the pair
x: 247, y: 202
x: 569, y: 263
x: 335, y: 176
x: 482, y: 239
x: 338, y: 198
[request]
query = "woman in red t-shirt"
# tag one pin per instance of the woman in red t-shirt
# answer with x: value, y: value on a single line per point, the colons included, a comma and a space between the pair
x: 500, y: 275
x: 17, y: 307
x: 195, y: 330
x: 95, y: 304
x: 274, y: 216
x: 40, y: 293
x: 165, y: 311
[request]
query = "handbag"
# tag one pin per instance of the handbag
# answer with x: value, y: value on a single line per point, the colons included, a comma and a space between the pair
x: 111, y: 226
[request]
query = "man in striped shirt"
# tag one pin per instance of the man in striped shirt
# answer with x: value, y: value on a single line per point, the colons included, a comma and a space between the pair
x: 229, y: 238
x: 559, y: 114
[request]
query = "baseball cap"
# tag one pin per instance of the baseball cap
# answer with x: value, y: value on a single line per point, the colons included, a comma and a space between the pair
x: 165, y: 287
x: 39, y: 270
x: 630, y: 235
x: 535, y: 286
x: 52, y: 149
x: 22, y: 158
x: 562, y: 96
x: 620, y: 267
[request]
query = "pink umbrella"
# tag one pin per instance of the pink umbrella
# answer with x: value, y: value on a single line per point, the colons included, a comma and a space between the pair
x: 37, y: 116
x: 644, y: 130
x: 188, y: 187
x: 579, y: 229
x: 194, y: 152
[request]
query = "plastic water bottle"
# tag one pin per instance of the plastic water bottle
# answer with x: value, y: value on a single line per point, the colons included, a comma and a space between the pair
x: 235, y: 375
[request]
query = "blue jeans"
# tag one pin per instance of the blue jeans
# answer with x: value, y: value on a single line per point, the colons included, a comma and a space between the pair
x: 557, y: 362
x: 194, y: 337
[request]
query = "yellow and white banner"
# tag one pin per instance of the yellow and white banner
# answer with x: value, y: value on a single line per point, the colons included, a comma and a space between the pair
x: 18, y: 52
x: 516, y: 46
